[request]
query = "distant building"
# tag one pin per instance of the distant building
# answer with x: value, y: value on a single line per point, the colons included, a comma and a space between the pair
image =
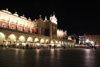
x: 82, y: 39
x: 90, y: 38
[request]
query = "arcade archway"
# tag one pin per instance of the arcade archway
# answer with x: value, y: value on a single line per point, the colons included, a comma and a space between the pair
x: 29, y: 39
x: 21, y: 39
x: 2, y: 37
x: 12, y: 38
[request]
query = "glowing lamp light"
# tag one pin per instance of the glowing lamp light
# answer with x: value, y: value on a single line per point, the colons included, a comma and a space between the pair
x: 23, y: 44
x: 87, y: 41
x: 42, y: 41
x: 17, y: 44
x: 2, y: 37
x: 36, y: 40
x: 30, y: 39
x: 56, y: 42
x: 51, y: 42
x: 22, y: 38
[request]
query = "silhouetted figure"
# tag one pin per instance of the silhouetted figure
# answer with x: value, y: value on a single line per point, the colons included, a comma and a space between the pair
x: 27, y: 46
x: 54, y: 46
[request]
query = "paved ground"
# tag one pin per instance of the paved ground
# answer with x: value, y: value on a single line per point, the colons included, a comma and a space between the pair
x: 71, y: 57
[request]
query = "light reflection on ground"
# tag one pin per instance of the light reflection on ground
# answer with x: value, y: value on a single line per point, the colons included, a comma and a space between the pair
x: 71, y: 57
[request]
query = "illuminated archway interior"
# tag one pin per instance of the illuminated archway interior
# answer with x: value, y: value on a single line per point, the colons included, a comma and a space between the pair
x: 36, y: 40
x: 47, y: 41
x: 29, y: 39
x: 2, y: 37
x: 56, y: 42
x: 22, y: 38
x: 52, y: 43
x: 12, y: 37
x: 42, y: 41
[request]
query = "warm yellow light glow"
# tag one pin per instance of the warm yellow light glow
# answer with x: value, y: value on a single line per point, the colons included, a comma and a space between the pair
x: 56, y: 42
x: 59, y: 42
x: 92, y: 42
x: 4, y: 16
x: 58, y: 45
x: 36, y: 40
x: 30, y: 39
x: 22, y: 38
x: 12, y: 37
x: 17, y: 44
x: 25, y: 24
x: 20, y: 21
x: 52, y: 42
x: 23, y: 44
x: 61, y: 33
x: 7, y: 17
x: 42, y: 41
x: 38, y: 44
x: 47, y: 40
x: 2, y: 37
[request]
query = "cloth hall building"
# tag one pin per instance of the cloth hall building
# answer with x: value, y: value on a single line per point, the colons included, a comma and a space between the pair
x: 18, y: 30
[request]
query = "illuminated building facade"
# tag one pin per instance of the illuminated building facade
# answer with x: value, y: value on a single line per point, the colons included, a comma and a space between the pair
x: 18, y: 30
x: 95, y: 39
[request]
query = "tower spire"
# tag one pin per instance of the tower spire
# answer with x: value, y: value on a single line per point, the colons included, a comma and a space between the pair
x: 53, y: 18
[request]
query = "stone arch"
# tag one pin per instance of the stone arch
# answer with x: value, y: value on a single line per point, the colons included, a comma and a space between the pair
x: 56, y: 41
x: 12, y: 38
x: 52, y: 42
x: 47, y: 41
x: 2, y: 37
x: 29, y: 39
x: 42, y: 40
x: 36, y: 40
x: 21, y: 39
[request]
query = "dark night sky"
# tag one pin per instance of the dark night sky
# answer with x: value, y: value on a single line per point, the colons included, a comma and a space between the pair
x: 77, y: 17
